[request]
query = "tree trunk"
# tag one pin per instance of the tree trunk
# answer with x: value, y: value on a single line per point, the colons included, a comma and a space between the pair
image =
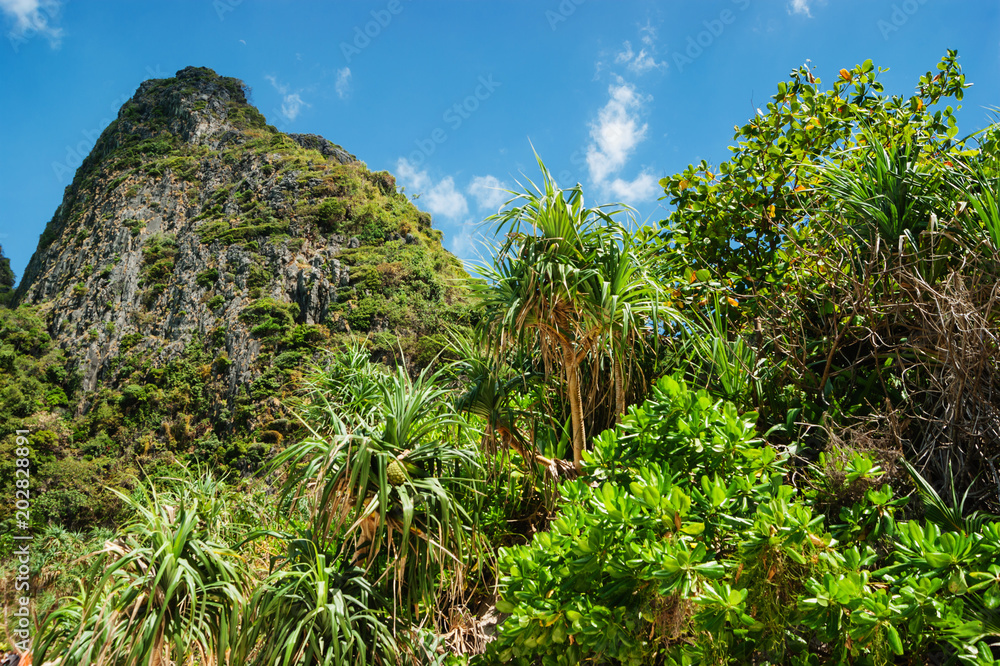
x: 619, y: 388
x: 575, y: 405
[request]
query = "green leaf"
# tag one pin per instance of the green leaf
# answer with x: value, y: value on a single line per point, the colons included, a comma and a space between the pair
x: 693, y: 529
x: 894, y: 641
x: 507, y: 607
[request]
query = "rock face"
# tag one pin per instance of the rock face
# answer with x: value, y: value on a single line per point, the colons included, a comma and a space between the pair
x: 194, y: 222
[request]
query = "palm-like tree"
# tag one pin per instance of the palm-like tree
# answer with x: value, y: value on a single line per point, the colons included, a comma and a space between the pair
x: 568, y: 284
x: 629, y: 307
x: 534, y: 296
x: 888, y: 194
x: 977, y: 180
x: 494, y: 391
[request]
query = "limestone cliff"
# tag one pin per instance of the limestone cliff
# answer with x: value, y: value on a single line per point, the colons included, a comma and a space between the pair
x: 194, y: 223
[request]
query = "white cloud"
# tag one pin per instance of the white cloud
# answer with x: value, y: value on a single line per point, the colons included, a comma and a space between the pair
x: 489, y: 192
x: 645, y: 62
x: 799, y: 7
x: 648, y: 33
x: 291, y: 103
x: 408, y: 175
x: 617, y: 131
x: 626, y: 54
x: 646, y: 58
x: 440, y: 198
x: 343, y: 82
x: 444, y: 199
x: 644, y: 188
x: 32, y: 17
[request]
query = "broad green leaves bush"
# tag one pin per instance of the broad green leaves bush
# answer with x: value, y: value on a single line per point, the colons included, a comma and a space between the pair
x: 685, y: 545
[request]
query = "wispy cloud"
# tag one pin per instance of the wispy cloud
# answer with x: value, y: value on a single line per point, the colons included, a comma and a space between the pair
x: 437, y: 198
x: 489, y: 192
x: 644, y: 188
x: 292, y: 102
x: 619, y: 128
x: 626, y: 54
x: 617, y: 131
x: 469, y: 244
x: 645, y: 60
x: 343, y: 85
x: 33, y: 17
x: 648, y: 33
x: 800, y: 7
x: 292, y: 105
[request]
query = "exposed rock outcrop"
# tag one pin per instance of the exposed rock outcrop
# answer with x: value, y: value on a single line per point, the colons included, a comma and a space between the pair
x: 194, y: 222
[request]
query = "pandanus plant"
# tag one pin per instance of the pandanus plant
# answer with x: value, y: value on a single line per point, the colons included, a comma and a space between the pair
x: 568, y: 284
x: 384, y: 494
x: 166, y: 591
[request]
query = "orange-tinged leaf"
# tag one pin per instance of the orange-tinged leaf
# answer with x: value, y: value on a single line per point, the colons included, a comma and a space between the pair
x: 844, y: 74
x: 692, y: 278
x: 800, y: 188
x: 683, y: 184
x: 770, y: 210
x: 710, y: 175
x: 732, y: 301
x: 920, y: 104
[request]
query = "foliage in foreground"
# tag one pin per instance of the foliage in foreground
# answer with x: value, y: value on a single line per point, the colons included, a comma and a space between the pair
x: 167, y: 588
x: 371, y: 541
x: 692, y: 548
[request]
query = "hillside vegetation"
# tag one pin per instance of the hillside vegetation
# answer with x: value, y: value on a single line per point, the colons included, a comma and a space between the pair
x: 763, y: 431
x: 198, y: 266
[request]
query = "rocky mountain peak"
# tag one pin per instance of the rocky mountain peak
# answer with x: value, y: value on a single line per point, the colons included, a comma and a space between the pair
x: 197, y: 106
x: 195, y: 225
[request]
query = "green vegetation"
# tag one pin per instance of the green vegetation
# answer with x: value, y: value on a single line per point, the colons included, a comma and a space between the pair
x: 135, y: 226
x: 269, y: 318
x: 760, y: 432
x: 198, y: 586
x: 226, y: 233
x: 6, y: 279
x: 206, y: 279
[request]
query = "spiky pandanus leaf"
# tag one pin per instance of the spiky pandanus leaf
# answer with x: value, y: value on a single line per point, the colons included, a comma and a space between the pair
x: 316, y: 609
x: 164, y: 590
x: 417, y: 523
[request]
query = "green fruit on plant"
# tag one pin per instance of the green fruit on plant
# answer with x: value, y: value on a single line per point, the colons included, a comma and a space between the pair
x: 396, y: 473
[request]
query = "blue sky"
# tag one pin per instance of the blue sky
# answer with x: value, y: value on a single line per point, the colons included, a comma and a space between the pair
x: 614, y: 94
